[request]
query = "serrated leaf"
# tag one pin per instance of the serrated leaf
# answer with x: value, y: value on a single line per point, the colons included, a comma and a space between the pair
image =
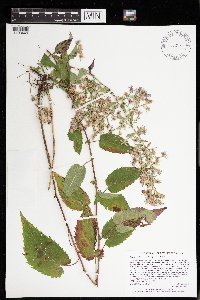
x: 120, y: 178
x: 73, y: 179
x: 63, y: 46
x: 76, y: 137
x: 78, y: 200
x: 123, y: 223
x: 113, y: 143
x: 133, y: 217
x: 74, y: 52
x: 85, y: 237
x: 62, y: 68
x: 41, y: 252
x: 46, y: 61
x: 107, y: 229
x: 114, y: 238
x: 117, y: 238
x: 113, y: 202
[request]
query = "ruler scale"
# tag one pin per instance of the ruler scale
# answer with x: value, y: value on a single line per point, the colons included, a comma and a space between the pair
x: 54, y: 15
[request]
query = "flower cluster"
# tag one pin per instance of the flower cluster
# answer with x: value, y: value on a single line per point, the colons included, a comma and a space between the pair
x: 145, y: 158
x: 46, y: 114
x: 130, y: 107
x: 103, y: 111
x: 78, y: 97
x: 95, y: 115
x: 97, y: 107
x: 79, y: 49
x: 89, y: 89
x: 117, y: 114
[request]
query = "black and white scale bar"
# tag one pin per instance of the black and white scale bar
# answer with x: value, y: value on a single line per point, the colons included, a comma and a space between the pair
x: 45, y: 15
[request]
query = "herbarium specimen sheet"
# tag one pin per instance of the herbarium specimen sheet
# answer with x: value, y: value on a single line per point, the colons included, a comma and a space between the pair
x: 100, y: 161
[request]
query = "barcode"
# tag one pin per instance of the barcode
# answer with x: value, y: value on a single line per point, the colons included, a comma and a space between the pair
x: 21, y: 29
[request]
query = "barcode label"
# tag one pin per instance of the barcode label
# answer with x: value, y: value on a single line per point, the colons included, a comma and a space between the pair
x: 20, y: 29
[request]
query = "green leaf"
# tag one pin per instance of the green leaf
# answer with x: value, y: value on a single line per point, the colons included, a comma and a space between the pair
x: 117, y: 238
x: 74, y: 79
x: 120, y: 178
x: 62, y: 68
x: 73, y: 179
x: 114, y: 238
x: 41, y: 252
x: 82, y: 72
x: 108, y: 228
x: 78, y: 200
x: 86, y: 211
x: 113, y: 143
x: 113, y: 202
x: 63, y: 46
x: 133, y: 217
x: 76, y: 137
x: 85, y: 237
x: 123, y: 223
x: 74, y: 52
x: 46, y: 61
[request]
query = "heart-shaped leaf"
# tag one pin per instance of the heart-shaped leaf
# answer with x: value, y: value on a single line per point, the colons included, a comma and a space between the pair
x: 41, y: 252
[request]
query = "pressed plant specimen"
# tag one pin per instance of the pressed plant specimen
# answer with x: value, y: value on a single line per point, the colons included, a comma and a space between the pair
x: 111, y: 121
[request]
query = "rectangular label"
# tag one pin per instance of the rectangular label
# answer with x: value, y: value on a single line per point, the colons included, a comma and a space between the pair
x: 93, y: 15
x: 162, y: 273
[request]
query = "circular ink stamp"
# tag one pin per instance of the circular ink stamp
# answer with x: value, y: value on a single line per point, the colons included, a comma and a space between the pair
x: 176, y: 45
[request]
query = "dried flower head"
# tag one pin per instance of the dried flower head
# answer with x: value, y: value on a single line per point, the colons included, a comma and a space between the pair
x: 144, y: 156
x: 79, y: 49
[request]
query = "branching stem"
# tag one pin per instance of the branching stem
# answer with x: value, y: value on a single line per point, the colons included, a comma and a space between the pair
x: 50, y: 163
x: 53, y: 137
x: 96, y: 206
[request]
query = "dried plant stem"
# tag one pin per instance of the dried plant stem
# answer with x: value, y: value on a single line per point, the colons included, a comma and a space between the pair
x: 97, y: 263
x: 53, y: 138
x: 92, y: 161
x: 56, y: 195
